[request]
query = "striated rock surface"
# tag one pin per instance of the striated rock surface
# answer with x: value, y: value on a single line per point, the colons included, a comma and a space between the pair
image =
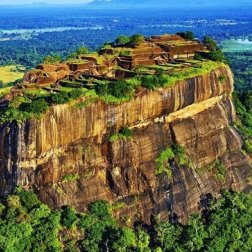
x: 66, y: 157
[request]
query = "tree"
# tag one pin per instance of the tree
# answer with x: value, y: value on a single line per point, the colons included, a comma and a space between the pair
x: 82, y: 50
x: 72, y: 56
x: 168, y: 235
x: 195, y: 234
x: 198, y: 56
x: 186, y: 35
x: 123, y: 240
x: 68, y: 217
x: 137, y: 40
x: 121, y: 89
x: 122, y: 40
x: 60, y: 98
x: 142, y: 240
x: 52, y: 59
x: 149, y: 81
x: 216, y: 55
x: 97, y: 225
x: 37, y: 107
x: 210, y: 43
x: 75, y: 93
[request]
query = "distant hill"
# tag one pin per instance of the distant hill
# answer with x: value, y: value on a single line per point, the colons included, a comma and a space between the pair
x: 165, y: 3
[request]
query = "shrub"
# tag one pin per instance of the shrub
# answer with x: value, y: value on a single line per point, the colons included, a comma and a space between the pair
x: 210, y: 43
x: 217, y: 55
x: 68, y: 217
x: 125, y: 53
x: 149, y: 81
x: 72, y: 56
x: 82, y: 50
x: 122, y: 40
x: 218, y: 169
x: 60, y: 98
x: 70, y: 177
x: 163, y: 162
x: 180, y: 154
x: 186, y: 35
x: 28, y: 199
x: 137, y: 40
x: 52, y: 59
x: 17, y: 101
x: 121, y: 89
x: 124, y: 133
x: 101, y: 209
x: 198, y: 56
x: 176, y: 153
x: 102, y: 89
x: 222, y: 79
x: 221, y: 171
x: 37, y: 107
x: 154, y: 81
x: 118, y: 89
x: 75, y: 93
x: 124, y: 240
x: 127, y: 132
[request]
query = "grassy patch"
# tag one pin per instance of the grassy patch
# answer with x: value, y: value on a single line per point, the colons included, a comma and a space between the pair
x: 4, y: 91
x: 11, y: 73
x: 201, y: 69
x: 70, y: 177
x: 124, y: 133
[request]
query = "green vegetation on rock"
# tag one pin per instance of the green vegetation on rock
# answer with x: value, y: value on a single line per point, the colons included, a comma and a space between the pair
x: 133, y: 41
x: 187, y: 35
x: 215, y: 53
x: 70, y: 177
x: 115, y: 92
x: 163, y: 162
x: 22, y: 108
x: 122, y: 40
x: 217, y: 170
x: 124, y: 133
x: 173, y: 154
x: 52, y: 59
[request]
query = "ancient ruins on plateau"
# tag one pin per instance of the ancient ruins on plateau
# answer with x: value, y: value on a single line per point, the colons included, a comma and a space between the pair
x: 112, y: 62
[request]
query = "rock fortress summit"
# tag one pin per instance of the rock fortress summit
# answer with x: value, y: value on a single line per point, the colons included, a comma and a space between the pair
x: 145, y: 123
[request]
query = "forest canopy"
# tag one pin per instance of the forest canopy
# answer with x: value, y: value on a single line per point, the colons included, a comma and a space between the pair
x: 26, y: 224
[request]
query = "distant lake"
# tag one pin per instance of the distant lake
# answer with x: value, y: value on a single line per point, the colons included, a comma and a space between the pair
x: 237, y: 45
x: 242, y: 41
x: 55, y: 29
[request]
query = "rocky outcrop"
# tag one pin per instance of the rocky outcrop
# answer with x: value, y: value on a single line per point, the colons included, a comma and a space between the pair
x: 47, y: 74
x: 67, y: 158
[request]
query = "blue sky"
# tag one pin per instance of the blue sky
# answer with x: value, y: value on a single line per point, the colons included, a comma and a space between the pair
x: 51, y: 1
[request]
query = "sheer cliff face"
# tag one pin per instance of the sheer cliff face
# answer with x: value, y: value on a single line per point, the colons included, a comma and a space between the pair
x: 67, y: 159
